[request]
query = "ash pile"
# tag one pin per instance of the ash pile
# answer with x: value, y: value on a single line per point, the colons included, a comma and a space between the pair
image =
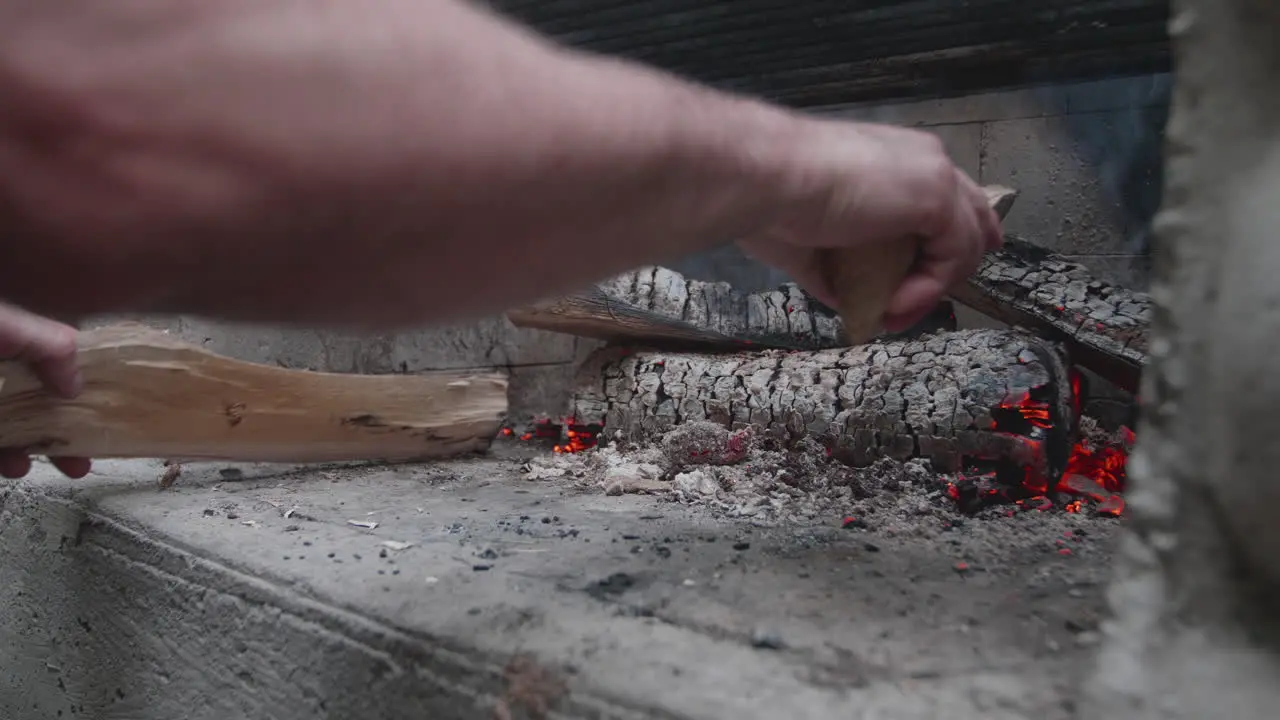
x: 744, y: 474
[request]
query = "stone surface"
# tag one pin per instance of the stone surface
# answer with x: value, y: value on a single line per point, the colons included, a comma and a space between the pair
x: 247, y: 592
x: 1195, y: 634
x: 1064, y: 205
x: 540, y: 391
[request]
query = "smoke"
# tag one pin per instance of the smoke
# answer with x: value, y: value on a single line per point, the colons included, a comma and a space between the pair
x: 728, y: 264
x: 1118, y: 125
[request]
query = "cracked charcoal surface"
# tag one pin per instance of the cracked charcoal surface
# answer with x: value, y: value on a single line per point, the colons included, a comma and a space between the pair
x: 930, y: 397
x: 787, y: 312
x: 1104, y: 326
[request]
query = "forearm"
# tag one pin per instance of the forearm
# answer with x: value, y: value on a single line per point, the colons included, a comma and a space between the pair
x: 316, y: 161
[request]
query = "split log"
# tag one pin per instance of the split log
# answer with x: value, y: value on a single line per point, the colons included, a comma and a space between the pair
x: 656, y: 305
x: 958, y: 399
x: 1103, y: 326
x: 150, y: 395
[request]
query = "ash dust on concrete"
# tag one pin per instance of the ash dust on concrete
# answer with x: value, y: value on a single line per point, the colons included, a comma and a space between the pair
x: 739, y: 476
x: 1017, y: 583
x: 710, y: 575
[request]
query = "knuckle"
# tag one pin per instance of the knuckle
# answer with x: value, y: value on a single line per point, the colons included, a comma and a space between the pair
x: 62, y: 342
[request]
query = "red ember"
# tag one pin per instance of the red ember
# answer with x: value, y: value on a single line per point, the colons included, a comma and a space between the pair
x: 1092, y: 473
x: 578, y: 437
x: 1095, y: 473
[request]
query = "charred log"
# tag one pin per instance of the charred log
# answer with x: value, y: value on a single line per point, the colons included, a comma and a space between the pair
x: 658, y: 306
x: 1102, y: 326
x: 980, y: 398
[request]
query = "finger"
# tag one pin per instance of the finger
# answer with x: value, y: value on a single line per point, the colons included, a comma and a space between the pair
x: 13, y: 464
x: 945, y: 259
x: 918, y: 295
x: 73, y: 467
x: 48, y: 346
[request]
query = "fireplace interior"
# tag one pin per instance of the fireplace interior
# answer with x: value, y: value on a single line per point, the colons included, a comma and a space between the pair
x: 704, y: 502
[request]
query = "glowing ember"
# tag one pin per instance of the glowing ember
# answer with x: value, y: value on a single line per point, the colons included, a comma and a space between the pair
x: 1034, y: 412
x: 1094, y: 475
x: 1105, y: 466
x: 576, y: 438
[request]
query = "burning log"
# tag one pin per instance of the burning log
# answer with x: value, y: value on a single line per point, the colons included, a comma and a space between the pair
x: 655, y: 305
x: 1103, y: 327
x: 996, y: 399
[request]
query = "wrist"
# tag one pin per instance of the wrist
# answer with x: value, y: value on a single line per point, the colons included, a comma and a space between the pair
x: 754, y: 148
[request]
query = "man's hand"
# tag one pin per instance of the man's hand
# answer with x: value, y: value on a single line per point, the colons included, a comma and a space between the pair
x: 50, y: 349
x: 858, y: 184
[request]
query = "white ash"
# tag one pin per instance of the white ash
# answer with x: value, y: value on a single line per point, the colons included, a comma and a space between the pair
x: 740, y: 475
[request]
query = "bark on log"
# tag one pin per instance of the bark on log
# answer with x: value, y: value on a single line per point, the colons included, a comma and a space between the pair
x: 655, y: 304
x: 950, y: 397
x: 1103, y: 326
x: 149, y: 395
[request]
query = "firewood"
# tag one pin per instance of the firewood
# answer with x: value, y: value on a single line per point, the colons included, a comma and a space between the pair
x: 150, y: 395
x: 657, y: 306
x: 1103, y: 326
x: 995, y: 396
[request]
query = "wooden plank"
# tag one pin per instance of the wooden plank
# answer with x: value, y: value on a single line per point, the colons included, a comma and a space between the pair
x: 150, y: 395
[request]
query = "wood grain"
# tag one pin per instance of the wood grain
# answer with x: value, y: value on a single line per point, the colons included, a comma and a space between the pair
x: 150, y: 395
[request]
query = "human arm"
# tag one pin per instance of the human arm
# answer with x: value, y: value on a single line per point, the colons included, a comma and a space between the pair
x: 414, y: 161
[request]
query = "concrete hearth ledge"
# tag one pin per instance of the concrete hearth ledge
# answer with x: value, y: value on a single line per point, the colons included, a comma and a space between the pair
x: 212, y: 600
